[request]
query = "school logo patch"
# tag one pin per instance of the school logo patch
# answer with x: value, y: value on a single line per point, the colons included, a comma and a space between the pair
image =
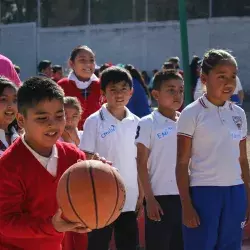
x: 238, y: 121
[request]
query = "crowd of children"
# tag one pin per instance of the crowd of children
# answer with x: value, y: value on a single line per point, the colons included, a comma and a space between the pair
x: 188, y: 169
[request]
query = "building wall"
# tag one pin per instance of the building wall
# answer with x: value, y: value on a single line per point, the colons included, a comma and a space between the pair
x: 146, y: 45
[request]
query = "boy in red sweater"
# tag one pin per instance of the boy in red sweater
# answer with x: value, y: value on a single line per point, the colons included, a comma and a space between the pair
x: 82, y: 82
x: 31, y: 168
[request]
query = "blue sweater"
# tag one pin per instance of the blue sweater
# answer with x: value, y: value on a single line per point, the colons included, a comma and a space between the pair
x: 138, y: 103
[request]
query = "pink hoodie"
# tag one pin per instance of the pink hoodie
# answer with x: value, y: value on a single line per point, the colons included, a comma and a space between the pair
x: 7, y: 69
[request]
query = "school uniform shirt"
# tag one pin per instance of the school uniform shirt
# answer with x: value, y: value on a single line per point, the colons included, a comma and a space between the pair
x: 88, y: 93
x: 199, y: 89
x: 114, y: 140
x: 235, y: 97
x: 159, y: 134
x: 3, y: 142
x: 28, y: 196
x: 216, y: 133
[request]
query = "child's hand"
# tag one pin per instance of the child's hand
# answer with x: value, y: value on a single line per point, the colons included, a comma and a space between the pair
x: 190, y: 217
x: 61, y: 225
x: 154, y: 210
x: 97, y: 157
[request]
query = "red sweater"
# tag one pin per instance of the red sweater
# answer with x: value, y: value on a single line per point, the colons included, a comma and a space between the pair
x: 90, y: 98
x: 28, y: 198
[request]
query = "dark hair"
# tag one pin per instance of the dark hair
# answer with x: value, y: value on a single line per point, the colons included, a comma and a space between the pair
x: 174, y: 60
x: 115, y: 74
x: 6, y: 83
x: 214, y: 57
x: 72, y: 102
x: 35, y: 90
x: 104, y: 66
x: 43, y: 65
x: 163, y: 76
x: 77, y: 49
x: 168, y: 65
x: 195, y: 63
x: 56, y: 68
x: 154, y: 71
x: 137, y: 76
x: 17, y: 69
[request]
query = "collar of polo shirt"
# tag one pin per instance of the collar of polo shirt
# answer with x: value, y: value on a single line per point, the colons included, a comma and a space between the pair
x: 160, y: 118
x: 107, y: 115
x: 207, y: 104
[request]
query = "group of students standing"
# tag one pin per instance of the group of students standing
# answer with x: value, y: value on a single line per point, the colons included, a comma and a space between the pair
x: 188, y: 170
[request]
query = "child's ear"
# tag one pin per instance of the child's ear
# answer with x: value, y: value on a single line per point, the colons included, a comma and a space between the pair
x: 103, y: 93
x: 70, y: 63
x: 204, y: 78
x: 131, y: 92
x: 155, y: 94
x: 20, y: 120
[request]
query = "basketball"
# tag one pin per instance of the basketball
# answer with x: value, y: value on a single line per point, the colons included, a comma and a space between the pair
x: 92, y: 193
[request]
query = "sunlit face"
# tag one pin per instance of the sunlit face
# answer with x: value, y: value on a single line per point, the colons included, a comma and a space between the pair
x: 170, y: 94
x: 84, y: 64
x: 220, y: 81
x: 118, y: 94
x: 73, y: 117
x: 8, y: 106
x: 43, y: 124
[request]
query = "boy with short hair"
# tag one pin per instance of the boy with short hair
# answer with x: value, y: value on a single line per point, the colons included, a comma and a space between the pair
x: 156, y: 141
x: 31, y: 168
x: 110, y: 132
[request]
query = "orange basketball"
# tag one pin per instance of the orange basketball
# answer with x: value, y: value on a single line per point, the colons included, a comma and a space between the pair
x: 91, y: 192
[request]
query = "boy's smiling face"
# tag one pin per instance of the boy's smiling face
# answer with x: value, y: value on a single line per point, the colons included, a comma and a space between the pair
x: 118, y: 94
x: 43, y: 125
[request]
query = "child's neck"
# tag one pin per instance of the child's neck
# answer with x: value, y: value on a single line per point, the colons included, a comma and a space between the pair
x: 4, y: 127
x: 119, y: 113
x: 81, y: 78
x: 169, y: 113
x: 45, y: 152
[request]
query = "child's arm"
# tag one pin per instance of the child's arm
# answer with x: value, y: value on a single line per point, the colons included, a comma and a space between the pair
x: 139, y: 204
x: 186, y: 128
x: 14, y: 221
x: 245, y: 172
x: 244, y: 164
x: 154, y: 210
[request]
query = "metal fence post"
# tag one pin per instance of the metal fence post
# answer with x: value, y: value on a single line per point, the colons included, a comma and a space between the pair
x: 89, y: 12
x: 210, y: 8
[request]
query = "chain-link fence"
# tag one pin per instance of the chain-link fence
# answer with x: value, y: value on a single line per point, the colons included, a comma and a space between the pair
x: 52, y: 13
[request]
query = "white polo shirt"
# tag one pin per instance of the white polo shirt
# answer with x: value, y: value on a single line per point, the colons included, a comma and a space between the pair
x: 216, y: 133
x: 238, y: 86
x: 114, y: 140
x: 3, y: 142
x: 159, y: 134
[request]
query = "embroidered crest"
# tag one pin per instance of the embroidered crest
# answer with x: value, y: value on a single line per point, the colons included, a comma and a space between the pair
x: 238, y: 121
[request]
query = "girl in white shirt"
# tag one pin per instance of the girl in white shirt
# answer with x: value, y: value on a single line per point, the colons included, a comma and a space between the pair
x: 73, y: 112
x: 211, y: 146
x: 8, y: 111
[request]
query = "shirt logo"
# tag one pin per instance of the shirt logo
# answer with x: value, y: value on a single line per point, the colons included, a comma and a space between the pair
x: 238, y: 121
x: 243, y: 224
x: 165, y: 132
x: 110, y: 130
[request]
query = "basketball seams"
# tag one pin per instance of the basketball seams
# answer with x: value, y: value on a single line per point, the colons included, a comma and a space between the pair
x: 70, y: 201
x: 94, y: 193
x: 117, y: 197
